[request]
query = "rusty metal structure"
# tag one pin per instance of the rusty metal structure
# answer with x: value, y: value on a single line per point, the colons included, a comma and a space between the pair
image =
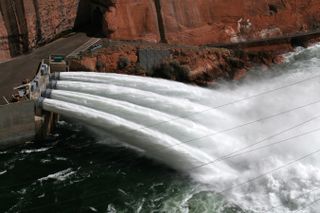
x: 25, y: 120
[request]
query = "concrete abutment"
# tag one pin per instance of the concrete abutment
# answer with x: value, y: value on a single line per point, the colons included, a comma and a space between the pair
x: 26, y: 120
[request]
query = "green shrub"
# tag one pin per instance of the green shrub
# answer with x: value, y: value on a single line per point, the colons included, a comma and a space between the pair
x: 123, y: 62
x: 172, y: 70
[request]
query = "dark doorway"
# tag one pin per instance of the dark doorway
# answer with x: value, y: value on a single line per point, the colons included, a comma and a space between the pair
x: 89, y: 19
x: 298, y: 42
x: 96, y: 21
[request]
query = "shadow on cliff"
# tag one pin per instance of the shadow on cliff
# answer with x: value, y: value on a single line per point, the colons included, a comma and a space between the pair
x: 14, y: 17
x: 89, y: 20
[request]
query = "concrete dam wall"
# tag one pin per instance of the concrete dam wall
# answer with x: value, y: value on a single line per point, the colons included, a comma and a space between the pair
x: 17, y: 123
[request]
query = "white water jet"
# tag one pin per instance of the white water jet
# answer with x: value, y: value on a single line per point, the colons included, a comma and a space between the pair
x: 270, y: 113
x: 159, y: 86
x: 139, y: 97
x: 179, y: 156
x: 162, y: 122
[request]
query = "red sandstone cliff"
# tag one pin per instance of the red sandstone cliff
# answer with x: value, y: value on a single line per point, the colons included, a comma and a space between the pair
x: 189, y: 64
x: 212, y: 21
x: 4, y: 46
x: 26, y: 23
x: 132, y: 20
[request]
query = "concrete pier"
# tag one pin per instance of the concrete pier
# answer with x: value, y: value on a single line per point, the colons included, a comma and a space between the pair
x: 25, y: 121
x: 17, y: 123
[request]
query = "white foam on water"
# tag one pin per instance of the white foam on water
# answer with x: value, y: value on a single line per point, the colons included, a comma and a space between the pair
x: 271, y: 119
x: 59, y: 176
x: 179, y: 156
x: 3, y: 172
x: 29, y: 151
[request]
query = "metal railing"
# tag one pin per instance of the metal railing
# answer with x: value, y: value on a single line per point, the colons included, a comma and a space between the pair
x: 267, y: 41
x: 32, y: 90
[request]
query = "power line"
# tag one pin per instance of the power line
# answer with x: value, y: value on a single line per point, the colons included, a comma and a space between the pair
x: 239, y: 126
x: 227, y: 189
x: 266, y: 92
x: 309, y: 192
x: 271, y: 171
x: 248, y: 123
x: 242, y: 125
x: 232, y: 102
x: 308, y: 205
x: 64, y: 202
x: 233, y: 128
x: 220, y: 192
x: 225, y: 130
x: 239, y: 152
x: 230, y: 155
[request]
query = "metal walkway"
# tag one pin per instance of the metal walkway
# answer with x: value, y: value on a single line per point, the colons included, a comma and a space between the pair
x: 303, y: 36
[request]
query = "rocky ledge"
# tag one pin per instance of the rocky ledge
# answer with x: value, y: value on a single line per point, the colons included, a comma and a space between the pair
x: 25, y: 24
x: 189, y: 64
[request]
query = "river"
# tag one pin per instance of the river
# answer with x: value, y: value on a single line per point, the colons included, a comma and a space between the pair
x: 132, y: 144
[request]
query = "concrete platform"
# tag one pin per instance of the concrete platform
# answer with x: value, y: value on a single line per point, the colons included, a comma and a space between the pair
x: 14, y: 71
x: 17, y: 123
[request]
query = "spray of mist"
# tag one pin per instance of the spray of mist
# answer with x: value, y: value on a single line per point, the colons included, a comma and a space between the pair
x: 250, y: 141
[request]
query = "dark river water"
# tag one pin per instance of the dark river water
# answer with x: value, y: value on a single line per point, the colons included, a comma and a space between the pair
x: 74, y: 173
x: 256, y: 144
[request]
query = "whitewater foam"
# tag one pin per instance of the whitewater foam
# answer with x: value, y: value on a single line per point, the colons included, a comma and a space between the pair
x: 130, y: 107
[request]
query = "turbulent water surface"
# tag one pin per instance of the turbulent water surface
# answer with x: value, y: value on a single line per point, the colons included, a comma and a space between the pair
x: 132, y: 144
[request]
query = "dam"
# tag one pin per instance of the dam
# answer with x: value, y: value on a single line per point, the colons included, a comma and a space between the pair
x: 31, y: 128
x: 174, y: 106
x: 23, y: 121
x: 230, y: 141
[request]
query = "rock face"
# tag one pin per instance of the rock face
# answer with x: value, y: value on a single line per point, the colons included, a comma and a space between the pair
x: 4, y: 45
x: 196, y: 65
x: 26, y: 23
x: 192, y: 65
x: 214, y: 21
x: 209, y: 21
x: 132, y: 20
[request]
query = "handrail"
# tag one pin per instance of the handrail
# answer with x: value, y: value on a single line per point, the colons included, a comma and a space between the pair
x: 256, y: 42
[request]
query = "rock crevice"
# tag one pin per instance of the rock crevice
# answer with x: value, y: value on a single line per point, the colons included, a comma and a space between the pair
x: 24, y: 24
